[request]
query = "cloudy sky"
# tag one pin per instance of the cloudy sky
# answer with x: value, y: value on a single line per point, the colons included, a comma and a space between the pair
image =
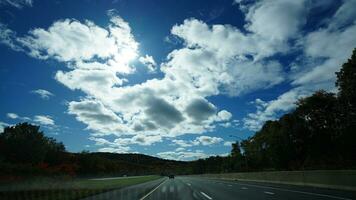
x: 166, y: 78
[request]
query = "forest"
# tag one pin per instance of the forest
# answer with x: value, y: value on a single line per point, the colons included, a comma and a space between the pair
x: 318, y: 134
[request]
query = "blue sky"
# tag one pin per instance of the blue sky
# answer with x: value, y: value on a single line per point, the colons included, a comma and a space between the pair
x: 166, y: 78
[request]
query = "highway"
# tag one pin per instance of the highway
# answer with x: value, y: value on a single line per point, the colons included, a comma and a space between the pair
x: 189, y: 188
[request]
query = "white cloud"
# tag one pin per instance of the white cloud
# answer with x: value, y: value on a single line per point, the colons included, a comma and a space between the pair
x: 213, y: 60
x: 180, y: 149
x: 182, y: 155
x: 17, y: 3
x: 276, y: 20
x: 228, y: 143
x: 3, y: 125
x: 149, y: 62
x: 224, y: 115
x: 208, y: 64
x: 44, y: 120
x: 144, y: 140
x: 96, y: 116
x: 206, y: 140
x: 184, y: 143
x: 201, y: 140
x: 8, y: 38
x: 109, y: 146
x: 16, y: 116
x: 12, y: 115
x: 70, y: 40
x: 115, y: 150
x: 44, y: 94
x: 324, y: 51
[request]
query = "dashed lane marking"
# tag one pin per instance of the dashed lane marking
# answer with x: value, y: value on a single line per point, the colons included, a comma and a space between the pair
x: 271, y: 193
x: 205, y: 195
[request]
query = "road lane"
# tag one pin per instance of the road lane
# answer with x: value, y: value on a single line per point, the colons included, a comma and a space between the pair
x: 247, y: 190
x: 130, y: 192
x: 208, y: 189
x: 194, y: 188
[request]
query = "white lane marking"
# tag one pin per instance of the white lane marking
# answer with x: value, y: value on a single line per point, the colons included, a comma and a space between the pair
x: 205, y: 195
x: 171, y: 189
x: 112, y: 178
x: 271, y: 193
x: 164, y: 189
x: 189, y: 184
x: 148, y: 194
x: 244, y: 188
x: 295, y: 191
x: 229, y: 185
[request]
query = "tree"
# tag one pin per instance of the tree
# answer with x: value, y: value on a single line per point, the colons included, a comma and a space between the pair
x: 236, y: 151
x: 25, y: 143
x: 346, y: 83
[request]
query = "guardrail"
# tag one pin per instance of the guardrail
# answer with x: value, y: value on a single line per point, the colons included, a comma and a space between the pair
x: 333, y: 179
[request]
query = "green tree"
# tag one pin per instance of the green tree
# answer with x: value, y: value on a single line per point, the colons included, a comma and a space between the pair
x: 25, y: 143
x: 346, y: 83
x: 322, y: 119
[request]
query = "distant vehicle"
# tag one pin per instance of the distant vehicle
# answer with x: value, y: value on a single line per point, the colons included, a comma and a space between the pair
x: 171, y: 176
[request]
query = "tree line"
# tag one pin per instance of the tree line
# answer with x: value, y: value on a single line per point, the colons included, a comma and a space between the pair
x: 320, y: 133
x: 26, y: 152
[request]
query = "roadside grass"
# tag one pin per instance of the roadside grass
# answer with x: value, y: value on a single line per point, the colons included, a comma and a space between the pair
x: 49, y: 188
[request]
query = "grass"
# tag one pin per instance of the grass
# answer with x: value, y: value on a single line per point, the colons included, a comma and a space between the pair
x: 48, y: 188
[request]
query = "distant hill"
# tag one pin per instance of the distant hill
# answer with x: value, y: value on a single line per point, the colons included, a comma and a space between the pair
x: 102, y: 163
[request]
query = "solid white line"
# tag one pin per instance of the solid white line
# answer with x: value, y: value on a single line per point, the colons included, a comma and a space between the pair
x: 189, y: 184
x: 271, y: 193
x: 112, y: 178
x: 295, y: 191
x: 205, y: 195
x: 148, y: 194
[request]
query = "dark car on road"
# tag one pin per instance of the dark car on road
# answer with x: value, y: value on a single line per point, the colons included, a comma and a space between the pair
x: 171, y: 176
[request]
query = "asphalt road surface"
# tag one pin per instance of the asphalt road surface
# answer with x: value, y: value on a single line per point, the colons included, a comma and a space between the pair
x: 188, y: 188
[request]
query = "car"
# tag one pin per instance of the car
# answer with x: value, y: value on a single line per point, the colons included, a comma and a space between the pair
x: 171, y: 176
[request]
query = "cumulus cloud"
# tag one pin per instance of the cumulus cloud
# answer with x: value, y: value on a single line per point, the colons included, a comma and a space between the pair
x: 107, y: 146
x: 149, y: 62
x: 44, y: 94
x: 70, y: 40
x: 44, y: 120
x: 206, y: 140
x: 277, y: 20
x: 12, y: 115
x: 163, y: 113
x: 224, y: 115
x: 95, y: 115
x: 182, y: 155
x: 201, y: 140
x: 115, y: 150
x: 200, y: 110
x: 315, y: 68
x: 212, y: 60
x: 208, y: 64
x: 228, y: 143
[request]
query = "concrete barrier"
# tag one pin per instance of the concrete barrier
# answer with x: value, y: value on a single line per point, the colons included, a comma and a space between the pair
x: 333, y: 179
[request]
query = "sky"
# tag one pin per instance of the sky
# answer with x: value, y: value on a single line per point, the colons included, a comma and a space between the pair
x: 172, y: 79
